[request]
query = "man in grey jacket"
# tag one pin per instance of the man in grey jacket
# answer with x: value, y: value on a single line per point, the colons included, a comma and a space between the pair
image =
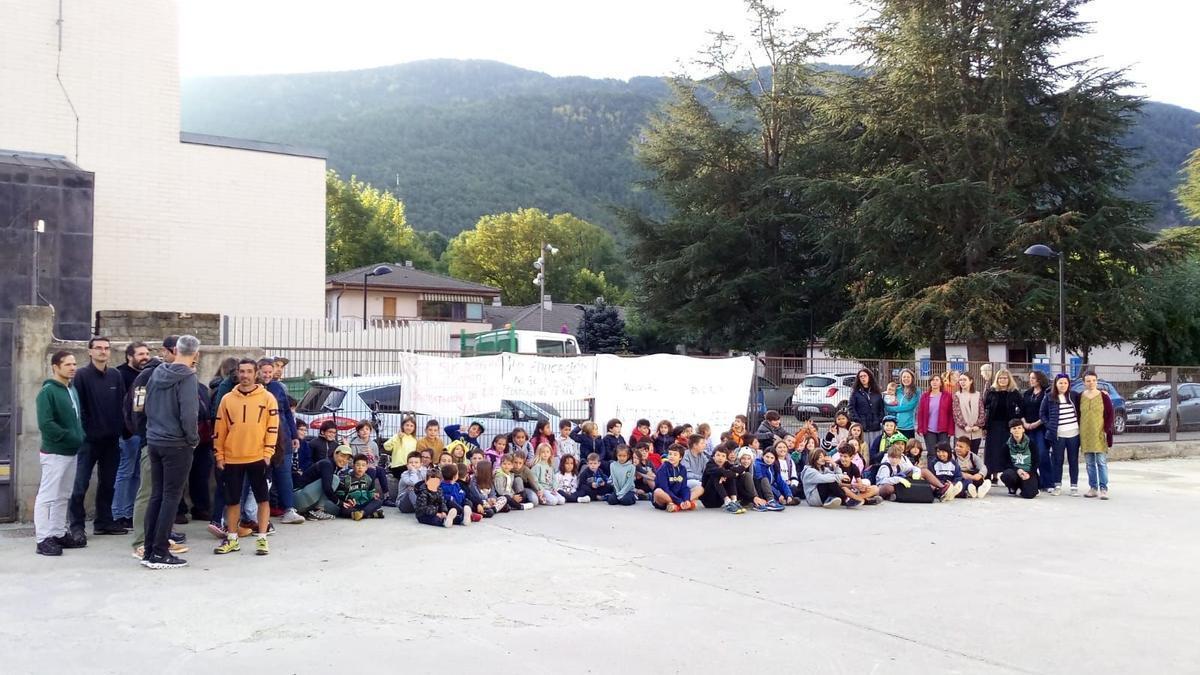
x: 172, y: 410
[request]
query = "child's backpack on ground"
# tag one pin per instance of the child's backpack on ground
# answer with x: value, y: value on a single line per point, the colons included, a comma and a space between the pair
x: 920, y: 492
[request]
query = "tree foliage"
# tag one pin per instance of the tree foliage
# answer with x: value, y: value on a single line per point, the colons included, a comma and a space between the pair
x: 1189, y: 191
x: 1169, y: 331
x: 602, y: 331
x: 502, y: 248
x: 735, y: 264
x: 967, y: 142
x: 364, y: 225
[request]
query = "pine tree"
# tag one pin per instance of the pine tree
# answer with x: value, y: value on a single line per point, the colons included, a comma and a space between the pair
x: 1189, y: 190
x: 602, y: 330
x: 968, y: 141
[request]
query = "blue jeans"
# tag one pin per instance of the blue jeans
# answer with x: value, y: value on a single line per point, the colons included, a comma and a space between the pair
x: 1041, y: 457
x: 1071, y: 446
x: 1097, y: 469
x: 129, y: 474
x: 281, y: 476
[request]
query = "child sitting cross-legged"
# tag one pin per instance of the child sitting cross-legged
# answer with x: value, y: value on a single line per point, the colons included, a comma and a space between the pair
x: 850, y: 473
x: 974, y: 471
x: 482, y: 491
x: 431, y: 506
x: 412, y: 476
x: 454, y: 497
x: 505, y: 483
x: 566, y: 480
x: 643, y: 472
x: 671, y: 491
x: 593, y: 480
x: 720, y: 482
x: 823, y: 485
x: 944, y: 466
x: 523, y: 480
x: 543, y: 475
x: 772, y: 486
x: 743, y: 475
x: 788, y: 470
x: 357, y: 497
x: 622, y: 474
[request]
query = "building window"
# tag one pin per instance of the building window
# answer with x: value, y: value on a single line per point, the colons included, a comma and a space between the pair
x: 441, y: 310
x: 474, y: 311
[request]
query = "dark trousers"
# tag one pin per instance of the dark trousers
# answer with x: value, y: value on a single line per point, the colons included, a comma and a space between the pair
x: 627, y: 499
x: 1069, y: 446
x: 716, y: 492
x: 744, y: 487
x: 1028, y: 487
x: 908, y: 433
x: 103, y: 456
x: 168, y: 471
x: 432, y: 519
x: 198, y: 479
x: 572, y: 497
x: 368, y: 509
x: 933, y: 438
x: 827, y: 490
x: 596, y: 494
x: 218, y: 497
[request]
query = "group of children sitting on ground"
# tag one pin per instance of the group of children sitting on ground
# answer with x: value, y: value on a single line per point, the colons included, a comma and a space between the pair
x: 672, y: 468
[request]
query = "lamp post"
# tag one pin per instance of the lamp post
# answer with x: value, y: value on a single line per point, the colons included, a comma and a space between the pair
x: 377, y: 272
x: 1044, y: 251
x: 540, y: 281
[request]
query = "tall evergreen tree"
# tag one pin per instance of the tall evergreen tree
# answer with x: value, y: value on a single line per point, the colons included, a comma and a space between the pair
x: 968, y: 141
x: 735, y: 263
x: 602, y: 331
x: 1189, y: 190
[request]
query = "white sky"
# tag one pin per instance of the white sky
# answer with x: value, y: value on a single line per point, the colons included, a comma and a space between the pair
x: 615, y: 38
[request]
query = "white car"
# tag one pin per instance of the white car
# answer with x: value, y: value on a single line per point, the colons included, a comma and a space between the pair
x: 822, y: 395
x: 353, y: 397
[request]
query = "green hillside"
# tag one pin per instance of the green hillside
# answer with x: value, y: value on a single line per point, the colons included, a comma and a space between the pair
x: 459, y: 139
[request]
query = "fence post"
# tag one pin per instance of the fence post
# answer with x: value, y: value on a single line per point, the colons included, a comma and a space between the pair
x: 1173, y: 415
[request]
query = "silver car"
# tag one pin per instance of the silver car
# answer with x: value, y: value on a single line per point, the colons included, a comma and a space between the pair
x: 1150, y: 407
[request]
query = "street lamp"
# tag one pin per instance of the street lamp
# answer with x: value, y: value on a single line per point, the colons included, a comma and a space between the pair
x: 1044, y: 251
x: 540, y: 281
x: 377, y: 272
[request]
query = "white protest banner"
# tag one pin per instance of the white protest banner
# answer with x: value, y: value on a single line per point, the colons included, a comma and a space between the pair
x: 682, y: 389
x: 548, y: 378
x: 439, y: 385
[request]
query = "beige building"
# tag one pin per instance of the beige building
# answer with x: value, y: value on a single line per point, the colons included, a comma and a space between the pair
x: 405, y: 293
x: 214, y: 224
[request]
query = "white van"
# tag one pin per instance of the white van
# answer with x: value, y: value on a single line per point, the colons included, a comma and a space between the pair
x: 519, y: 342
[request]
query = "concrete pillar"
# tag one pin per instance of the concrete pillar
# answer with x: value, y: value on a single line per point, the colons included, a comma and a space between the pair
x: 32, y: 338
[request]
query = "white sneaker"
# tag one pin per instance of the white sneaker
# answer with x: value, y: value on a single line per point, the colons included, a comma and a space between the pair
x: 584, y: 499
x: 450, y: 516
x: 983, y: 490
x: 467, y: 518
x: 526, y: 506
x: 290, y: 517
x: 972, y: 491
x: 952, y: 492
x: 1074, y: 491
x: 1057, y: 491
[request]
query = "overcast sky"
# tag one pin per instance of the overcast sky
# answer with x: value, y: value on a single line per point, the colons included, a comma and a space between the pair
x: 615, y: 38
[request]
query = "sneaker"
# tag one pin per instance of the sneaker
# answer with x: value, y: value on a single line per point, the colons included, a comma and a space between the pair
x: 1091, y: 493
x: 126, y: 523
x: 356, y: 515
x: 69, y: 540
x: 1012, y: 492
x: 672, y: 508
x: 182, y: 519
x: 852, y: 504
x: 740, y: 509
x: 972, y: 491
x: 164, y: 562
x: 290, y: 517
x: 476, y: 517
x: 1056, y: 490
x: 108, y: 529
x: 1104, y: 494
x: 774, y: 506
x: 217, y: 531
x: 874, y: 501
x: 832, y: 502
x: 584, y: 499
x: 49, y: 546
x: 759, y: 508
x: 230, y: 546
x: 525, y: 506
x: 139, y: 553
x: 1074, y: 491
x: 270, y: 528
x: 983, y: 490
x: 177, y: 536
x: 319, y: 514
x: 378, y: 515
x: 261, y: 547
x: 175, y: 548
x: 730, y: 507
x: 951, y: 492
x: 687, y: 505
x: 449, y: 519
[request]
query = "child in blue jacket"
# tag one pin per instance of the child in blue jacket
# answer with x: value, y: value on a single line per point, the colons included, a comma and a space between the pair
x: 454, y: 496
x: 594, y: 482
x: 671, y: 491
x: 769, y: 481
x: 612, y: 439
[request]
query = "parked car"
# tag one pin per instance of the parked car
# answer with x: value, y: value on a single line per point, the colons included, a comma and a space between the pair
x: 1150, y: 407
x: 822, y: 395
x: 1118, y: 402
x: 353, y: 397
x: 773, y: 397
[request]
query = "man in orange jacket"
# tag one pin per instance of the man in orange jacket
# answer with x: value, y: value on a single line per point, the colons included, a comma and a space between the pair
x: 246, y: 430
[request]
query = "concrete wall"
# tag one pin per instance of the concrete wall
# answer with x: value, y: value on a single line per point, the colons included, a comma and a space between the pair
x: 145, y: 326
x: 213, y: 229
x: 33, y: 344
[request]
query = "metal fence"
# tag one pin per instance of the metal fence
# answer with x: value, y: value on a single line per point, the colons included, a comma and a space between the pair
x: 1152, y: 403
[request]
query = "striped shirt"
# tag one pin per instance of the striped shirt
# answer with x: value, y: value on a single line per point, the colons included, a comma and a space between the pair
x: 1068, y: 421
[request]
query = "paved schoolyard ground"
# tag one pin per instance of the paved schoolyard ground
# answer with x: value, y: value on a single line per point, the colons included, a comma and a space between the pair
x: 1055, y: 585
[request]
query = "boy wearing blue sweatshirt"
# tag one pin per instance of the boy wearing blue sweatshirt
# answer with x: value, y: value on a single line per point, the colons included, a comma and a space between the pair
x: 608, y: 445
x: 594, y: 482
x: 621, y: 472
x: 588, y: 438
x: 671, y: 491
x: 454, y: 432
x: 453, y: 495
x: 945, y: 467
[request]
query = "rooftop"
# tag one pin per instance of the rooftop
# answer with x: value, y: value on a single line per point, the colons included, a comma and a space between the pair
x: 527, y: 317
x: 403, y: 277
x: 253, y: 146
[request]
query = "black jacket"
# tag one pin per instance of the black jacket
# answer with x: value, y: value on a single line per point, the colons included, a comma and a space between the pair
x: 321, y: 449
x: 133, y: 409
x: 1002, y: 406
x: 866, y: 408
x: 429, y: 502
x: 323, y: 471
x: 100, y: 401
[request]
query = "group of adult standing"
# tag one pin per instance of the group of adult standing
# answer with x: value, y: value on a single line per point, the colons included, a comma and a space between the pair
x: 1059, y: 421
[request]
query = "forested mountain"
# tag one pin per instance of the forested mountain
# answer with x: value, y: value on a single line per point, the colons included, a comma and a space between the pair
x: 456, y: 140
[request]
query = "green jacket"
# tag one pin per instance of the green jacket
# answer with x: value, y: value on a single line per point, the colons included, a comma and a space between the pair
x: 58, y: 418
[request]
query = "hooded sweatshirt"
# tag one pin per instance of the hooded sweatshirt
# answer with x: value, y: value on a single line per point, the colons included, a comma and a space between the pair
x: 673, y: 480
x: 772, y: 474
x: 429, y: 502
x: 947, y: 470
x: 58, y: 418
x: 622, y: 477
x: 811, y: 477
x: 695, y: 464
x: 247, y: 426
x: 409, y: 480
x: 172, y: 407
x: 1019, y: 455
